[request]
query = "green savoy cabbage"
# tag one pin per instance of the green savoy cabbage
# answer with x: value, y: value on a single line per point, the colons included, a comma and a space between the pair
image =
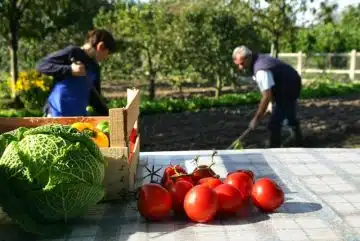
x: 48, y: 175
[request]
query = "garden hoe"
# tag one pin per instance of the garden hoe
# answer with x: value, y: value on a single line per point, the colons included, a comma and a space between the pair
x: 237, y: 143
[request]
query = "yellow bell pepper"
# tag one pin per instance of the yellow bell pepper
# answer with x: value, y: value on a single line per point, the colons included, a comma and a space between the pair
x: 96, y: 135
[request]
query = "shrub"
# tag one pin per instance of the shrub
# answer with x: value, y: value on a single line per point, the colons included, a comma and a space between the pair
x: 32, y: 88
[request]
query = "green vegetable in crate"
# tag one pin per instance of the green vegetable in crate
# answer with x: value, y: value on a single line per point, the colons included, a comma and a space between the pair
x: 90, y: 110
x: 103, y: 126
x: 7, y: 137
x: 49, y: 175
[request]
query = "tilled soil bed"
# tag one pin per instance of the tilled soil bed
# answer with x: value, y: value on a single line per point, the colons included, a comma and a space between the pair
x: 330, y: 122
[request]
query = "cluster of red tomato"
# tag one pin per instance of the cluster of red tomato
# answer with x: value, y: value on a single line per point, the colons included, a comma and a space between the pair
x: 202, y: 195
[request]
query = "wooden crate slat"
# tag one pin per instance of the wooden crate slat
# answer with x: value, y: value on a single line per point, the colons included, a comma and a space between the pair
x: 11, y: 123
x: 117, y: 171
x: 132, y: 109
x: 117, y: 127
x: 134, y: 163
x: 131, y: 95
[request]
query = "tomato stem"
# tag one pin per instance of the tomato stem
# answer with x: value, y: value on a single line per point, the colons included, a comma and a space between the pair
x: 196, y: 160
x: 176, y: 172
x: 178, y: 175
x: 212, y: 158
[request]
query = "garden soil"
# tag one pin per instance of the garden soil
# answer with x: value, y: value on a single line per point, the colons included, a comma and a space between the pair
x: 329, y: 122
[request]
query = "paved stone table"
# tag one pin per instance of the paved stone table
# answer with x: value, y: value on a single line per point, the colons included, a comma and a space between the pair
x: 322, y: 201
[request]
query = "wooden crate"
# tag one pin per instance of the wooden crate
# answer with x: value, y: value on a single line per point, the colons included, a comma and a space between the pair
x: 120, y: 174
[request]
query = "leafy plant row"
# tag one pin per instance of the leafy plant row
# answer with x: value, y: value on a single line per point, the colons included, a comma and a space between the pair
x: 318, y: 89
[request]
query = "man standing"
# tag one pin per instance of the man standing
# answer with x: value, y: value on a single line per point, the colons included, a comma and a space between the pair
x: 280, y: 84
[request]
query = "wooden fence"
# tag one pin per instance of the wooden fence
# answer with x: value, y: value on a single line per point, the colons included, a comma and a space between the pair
x: 325, y: 63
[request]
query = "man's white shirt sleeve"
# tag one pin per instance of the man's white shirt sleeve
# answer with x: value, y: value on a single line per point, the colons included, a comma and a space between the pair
x: 264, y: 80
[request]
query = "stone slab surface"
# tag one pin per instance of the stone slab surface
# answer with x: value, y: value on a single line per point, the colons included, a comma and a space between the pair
x: 322, y: 189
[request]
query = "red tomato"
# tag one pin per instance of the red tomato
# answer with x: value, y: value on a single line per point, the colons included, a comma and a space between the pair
x: 211, y: 182
x: 267, y: 195
x: 154, y: 202
x: 178, y: 191
x: 249, y: 172
x: 182, y: 177
x: 170, y: 171
x: 167, y: 183
x: 201, y: 204
x: 242, y: 182
x: 229, y: 197
x: 202, y: 172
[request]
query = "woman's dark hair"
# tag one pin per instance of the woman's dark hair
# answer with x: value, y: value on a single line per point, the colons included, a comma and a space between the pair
x: 101, y: 35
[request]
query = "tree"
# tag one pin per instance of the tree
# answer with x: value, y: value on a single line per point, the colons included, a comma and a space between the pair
x: 277, y: 17
x: 38, y: 18
x: 147, y: 28
x: 306, y: 40
x: 211, y: 34
x: 326, y: 12
x: 350, y: 25
x: 179, y: 65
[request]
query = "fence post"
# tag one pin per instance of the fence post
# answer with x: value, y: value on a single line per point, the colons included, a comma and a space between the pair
x: 299, y: 62
x: 352, y: 64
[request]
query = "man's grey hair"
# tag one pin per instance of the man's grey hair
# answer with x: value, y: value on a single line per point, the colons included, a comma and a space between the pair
x: 243, y: 51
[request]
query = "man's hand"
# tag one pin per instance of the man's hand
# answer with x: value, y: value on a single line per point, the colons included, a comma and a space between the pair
x: 78, y: 69
x: 269, y: 108
x: 253, y: 123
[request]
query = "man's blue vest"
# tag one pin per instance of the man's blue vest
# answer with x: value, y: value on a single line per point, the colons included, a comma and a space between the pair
x: 287, y: 80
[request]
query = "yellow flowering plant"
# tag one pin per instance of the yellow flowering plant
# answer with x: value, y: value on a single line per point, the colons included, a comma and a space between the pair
x: 33, y: 88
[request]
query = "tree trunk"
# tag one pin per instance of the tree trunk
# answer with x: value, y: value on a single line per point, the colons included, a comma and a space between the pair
x: 13, y: 47
x: 152, y: 86
x: 152, y: 76
x: 233, y: 84
x: 218, y: 87
x: 275, y: 48
x: 233, y: 79
x: 180, y: 87
x: 13, y: 68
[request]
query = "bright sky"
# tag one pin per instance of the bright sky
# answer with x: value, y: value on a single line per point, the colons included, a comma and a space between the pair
x: 341, y: 3
x: 308, y: 17
x: 344, y: 3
